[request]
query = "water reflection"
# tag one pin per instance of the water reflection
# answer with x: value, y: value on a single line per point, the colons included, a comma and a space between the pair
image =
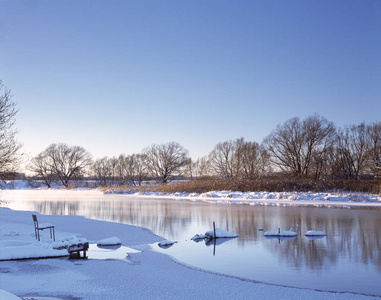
x: 315, y: 237
x: 351, y: 250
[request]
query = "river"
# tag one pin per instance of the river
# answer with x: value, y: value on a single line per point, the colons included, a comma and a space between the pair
x: 347, y: 259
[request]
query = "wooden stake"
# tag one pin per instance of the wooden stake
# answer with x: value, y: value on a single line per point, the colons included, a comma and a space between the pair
x: 214, y: 229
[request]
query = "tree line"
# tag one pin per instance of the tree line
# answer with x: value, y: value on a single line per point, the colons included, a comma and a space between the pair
x: 312, y: 148
x: 309, y: 148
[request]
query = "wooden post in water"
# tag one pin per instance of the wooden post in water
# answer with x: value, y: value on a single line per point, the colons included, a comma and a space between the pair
x: 214, y: 238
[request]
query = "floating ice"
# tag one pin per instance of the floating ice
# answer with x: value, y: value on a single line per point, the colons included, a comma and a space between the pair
x: 281, y: 233
x: 166, y: 243
x: 220, y: 234
x: 112, y: 241
x: 199, y: 237
x: 315, y: 233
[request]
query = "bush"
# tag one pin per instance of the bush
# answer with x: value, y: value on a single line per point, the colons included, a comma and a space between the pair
x: 272, y: 185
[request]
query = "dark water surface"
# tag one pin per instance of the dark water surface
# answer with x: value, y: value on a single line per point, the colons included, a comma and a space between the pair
x: 347, y: 259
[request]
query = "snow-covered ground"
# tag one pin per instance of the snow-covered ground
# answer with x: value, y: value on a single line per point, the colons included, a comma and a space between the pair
x: 144, y: 275
x: 327, y: 199
x: 334, y: 199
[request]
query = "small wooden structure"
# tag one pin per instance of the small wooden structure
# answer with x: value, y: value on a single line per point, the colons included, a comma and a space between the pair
x: 75, y: 250
x: 38, y: 227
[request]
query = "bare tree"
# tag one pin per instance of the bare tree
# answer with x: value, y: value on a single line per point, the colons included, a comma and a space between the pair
x: 221, y: 160
x: 125, y: 169
x: 252, y: 159
x: 139, y: 168
x: 165, y: 161
x: 68, y: 162
x: 101, y: 169
x: 198, y: 168
x: 352, y: 145
x: 238, y: 159
x: 9, y: 146
x: 297, y: 147
x: 374, y: 149
x: 114, y: 175
x: 41, y: 165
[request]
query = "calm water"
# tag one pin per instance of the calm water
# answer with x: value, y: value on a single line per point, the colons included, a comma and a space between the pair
x: 348, y: 259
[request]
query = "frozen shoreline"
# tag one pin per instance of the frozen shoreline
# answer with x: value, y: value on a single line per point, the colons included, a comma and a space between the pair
x: 329, y: 200
x: 312, y: 199
x: 146, y: 275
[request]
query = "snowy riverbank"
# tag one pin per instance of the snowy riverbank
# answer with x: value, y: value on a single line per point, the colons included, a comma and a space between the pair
x: 342, y: 199
x: 144, y: 275
x: 328, y: 199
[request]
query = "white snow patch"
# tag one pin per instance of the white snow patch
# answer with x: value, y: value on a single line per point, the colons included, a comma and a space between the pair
x: 68, y: 242
x: 166, y: 243
x: 220, y: 234
x: 331, y: 199
x: 112, y: 241
x: 283, y: 233
x: 198, y: 237
x: 315, y: 233
x: 18, y: 249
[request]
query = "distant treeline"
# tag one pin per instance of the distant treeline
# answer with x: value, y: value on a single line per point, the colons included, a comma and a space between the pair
x: 304, y: 153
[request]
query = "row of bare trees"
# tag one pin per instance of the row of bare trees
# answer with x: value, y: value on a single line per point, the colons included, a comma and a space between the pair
x: 159, y: 162
x: 313, y: 147
x: 60, y: 162
x: 238, y: 160
x: 309, y: 148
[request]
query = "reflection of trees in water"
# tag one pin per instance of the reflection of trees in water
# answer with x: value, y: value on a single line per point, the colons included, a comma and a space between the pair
x: 351, y: 233
x: 354, y: 234
x: 56, y: 208
x: 164, y: 217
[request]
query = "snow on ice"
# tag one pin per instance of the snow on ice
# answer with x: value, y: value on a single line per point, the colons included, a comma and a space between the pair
x: 166, y: 243
x: 282, y: 233
x: 220, y: 234
x: 112, y: 241
x: 315, y: 233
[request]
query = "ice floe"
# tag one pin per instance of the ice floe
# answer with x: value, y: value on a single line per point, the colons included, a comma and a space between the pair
x: 218, y: 233
x: 315, y: 233
x: 112, y: 241
x: 281, y: 233
x: 166, y: 243
x: 198, y: 237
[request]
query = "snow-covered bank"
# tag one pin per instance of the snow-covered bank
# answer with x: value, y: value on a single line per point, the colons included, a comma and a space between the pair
x: 146, y: 275
x: 328, y: 199
x: 342, y: 199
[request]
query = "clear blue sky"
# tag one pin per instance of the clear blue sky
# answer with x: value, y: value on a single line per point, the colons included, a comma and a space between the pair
x: 116, y: 76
